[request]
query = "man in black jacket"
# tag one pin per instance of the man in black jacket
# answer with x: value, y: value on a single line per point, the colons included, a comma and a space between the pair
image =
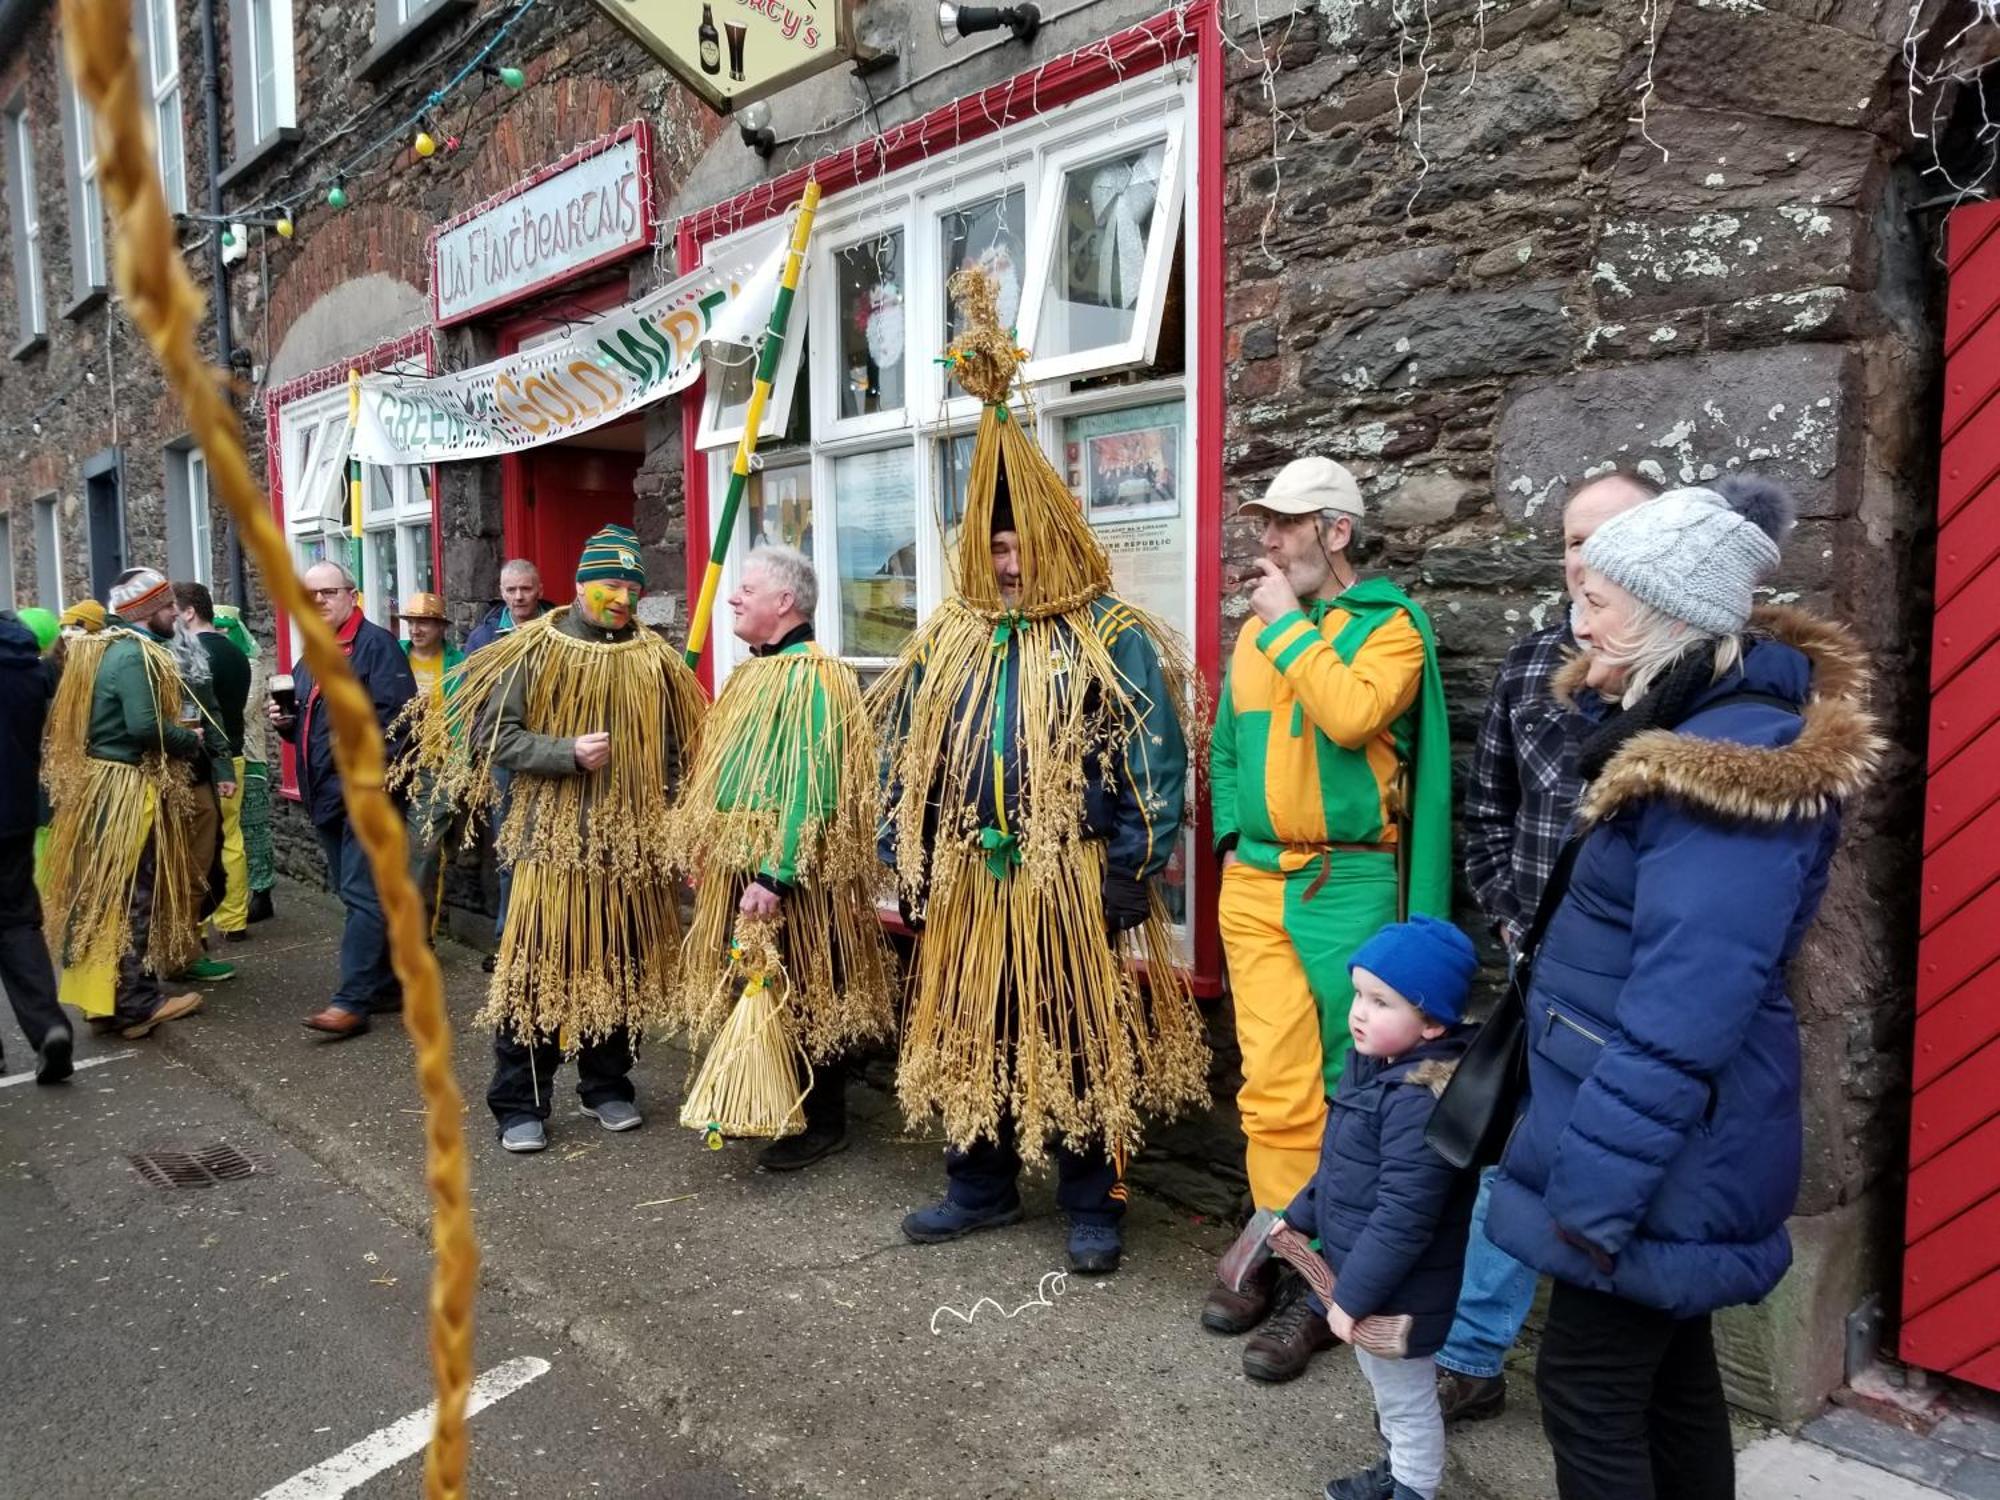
x: 26, y: 686
x: 367, y: 983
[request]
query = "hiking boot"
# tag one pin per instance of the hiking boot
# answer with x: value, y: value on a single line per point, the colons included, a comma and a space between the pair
x: 170, y: 1008
x: 946, y: 1220
x: 524, y: 1136
x: 489, y: 963
x: 237, y: 935
x: 616, y: 1114
x: 261, y: 909
x: 1095, y: 1249
x: 1224, y: 1311
x: 801, y: 1150
x: 1373, y: 1483
x: 53, y: 1056
x: 1470, y: 1398
x: 1286, y: 1344
x: 206, y: 970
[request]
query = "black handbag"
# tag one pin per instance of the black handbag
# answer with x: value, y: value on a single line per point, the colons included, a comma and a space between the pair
x: 1476, y: 1112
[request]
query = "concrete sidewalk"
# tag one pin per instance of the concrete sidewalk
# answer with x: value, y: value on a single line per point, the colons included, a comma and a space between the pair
x: 782, y: 1324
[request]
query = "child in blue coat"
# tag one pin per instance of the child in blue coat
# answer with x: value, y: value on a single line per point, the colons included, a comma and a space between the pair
x: 1389, y: 1213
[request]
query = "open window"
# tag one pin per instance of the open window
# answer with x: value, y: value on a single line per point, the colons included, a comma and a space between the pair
x: 1096, y: 285
x: 315, y: 471
x: 732, y: 374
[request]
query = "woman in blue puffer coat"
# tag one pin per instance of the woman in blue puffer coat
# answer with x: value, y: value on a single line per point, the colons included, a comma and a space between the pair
x: 1658, y: 1154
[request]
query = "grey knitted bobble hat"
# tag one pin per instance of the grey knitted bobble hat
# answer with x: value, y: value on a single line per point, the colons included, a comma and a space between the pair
x: 1693, y: 555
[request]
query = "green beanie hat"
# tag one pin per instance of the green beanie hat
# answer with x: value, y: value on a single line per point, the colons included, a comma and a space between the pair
x: 43, y: 622
x: 613, y: 553
x: 229, y: 621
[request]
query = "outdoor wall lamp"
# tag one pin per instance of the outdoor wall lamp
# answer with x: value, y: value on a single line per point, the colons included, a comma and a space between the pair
x: 955, y: 21
x: 753, y: 122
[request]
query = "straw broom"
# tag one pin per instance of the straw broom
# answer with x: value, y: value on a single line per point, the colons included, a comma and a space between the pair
x: 755, y: 1078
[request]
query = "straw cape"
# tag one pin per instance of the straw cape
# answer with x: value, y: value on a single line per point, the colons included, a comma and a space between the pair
x: 785, y: 787
x: 104, y: 812
x: 1015, y: 735
x: 592, y: 937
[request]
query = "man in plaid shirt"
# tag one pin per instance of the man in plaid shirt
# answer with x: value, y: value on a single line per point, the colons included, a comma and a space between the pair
x: 1523, y: 786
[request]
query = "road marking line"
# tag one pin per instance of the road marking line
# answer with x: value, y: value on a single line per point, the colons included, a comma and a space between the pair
x: 81, y: 1063
x: 381, y: 1451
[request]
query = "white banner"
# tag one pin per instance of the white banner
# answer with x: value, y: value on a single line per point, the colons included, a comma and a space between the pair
x: 595, y: 372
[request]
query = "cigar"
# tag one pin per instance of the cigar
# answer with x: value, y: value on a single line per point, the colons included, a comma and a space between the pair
x: 1245, y: 578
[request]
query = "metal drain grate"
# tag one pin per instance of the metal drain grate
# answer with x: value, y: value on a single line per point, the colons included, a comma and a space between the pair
x: 205, y: 1168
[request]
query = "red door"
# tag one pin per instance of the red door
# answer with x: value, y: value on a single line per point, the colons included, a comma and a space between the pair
x: 565, y: 494
x: 1951, y: 1266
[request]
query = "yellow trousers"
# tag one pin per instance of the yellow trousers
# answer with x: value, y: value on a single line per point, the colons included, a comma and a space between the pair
x: 1287, y: 937
x: 233, y: 915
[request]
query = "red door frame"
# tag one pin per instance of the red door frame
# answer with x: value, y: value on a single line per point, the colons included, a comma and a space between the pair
x: 1153, y: 43
x: 571, y: 307
x: 394, y: 351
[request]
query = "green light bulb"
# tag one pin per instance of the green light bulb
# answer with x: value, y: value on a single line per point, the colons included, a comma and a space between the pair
x: 514, y: 78
x: 228, y: 239
x: 336, y: 196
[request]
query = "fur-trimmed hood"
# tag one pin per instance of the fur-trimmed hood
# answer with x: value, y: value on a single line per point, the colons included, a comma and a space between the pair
x: 1432, y: 1073
x: 1834, y: 755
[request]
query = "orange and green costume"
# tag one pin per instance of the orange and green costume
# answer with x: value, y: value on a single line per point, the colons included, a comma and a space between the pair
x: 1330, y: 748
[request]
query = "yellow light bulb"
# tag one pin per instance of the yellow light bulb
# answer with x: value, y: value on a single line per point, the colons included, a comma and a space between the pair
x: 284, y: 226
x: 426, y: 145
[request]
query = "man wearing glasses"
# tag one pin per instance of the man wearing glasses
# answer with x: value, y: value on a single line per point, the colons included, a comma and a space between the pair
x: 367, y: 983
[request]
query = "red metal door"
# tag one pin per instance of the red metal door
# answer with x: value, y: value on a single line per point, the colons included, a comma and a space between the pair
x: 1951, y: 1266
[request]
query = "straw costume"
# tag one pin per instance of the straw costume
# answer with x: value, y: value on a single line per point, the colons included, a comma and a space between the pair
x: 784, y: 793
x: 1036, y: 784
x: 589, y: 951
x: 122, y: 883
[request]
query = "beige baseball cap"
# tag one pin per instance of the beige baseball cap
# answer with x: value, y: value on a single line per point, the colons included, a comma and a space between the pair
x: 1307, y: 486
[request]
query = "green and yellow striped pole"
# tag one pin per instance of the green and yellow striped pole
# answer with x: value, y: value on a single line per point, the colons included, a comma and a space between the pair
x: 354, y: 545
x: 753, y: 418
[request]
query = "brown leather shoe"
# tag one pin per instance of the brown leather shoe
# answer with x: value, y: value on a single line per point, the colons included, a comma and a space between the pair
x: 1470, y: 1398
x: 1286, y: 1344
x: 337, y: 1024
x: 172, y: 1008
x: 1224, y: 1311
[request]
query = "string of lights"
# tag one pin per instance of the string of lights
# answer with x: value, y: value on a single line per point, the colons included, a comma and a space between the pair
x: 280, y: 214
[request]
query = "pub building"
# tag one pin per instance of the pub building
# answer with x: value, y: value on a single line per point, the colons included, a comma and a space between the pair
x: 1474, y: 261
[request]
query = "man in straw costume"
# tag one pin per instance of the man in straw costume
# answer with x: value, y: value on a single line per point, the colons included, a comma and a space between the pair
x: 595, y: 717
x: 123, y: 884
x: 1036, y: 783
x: 780, y: 819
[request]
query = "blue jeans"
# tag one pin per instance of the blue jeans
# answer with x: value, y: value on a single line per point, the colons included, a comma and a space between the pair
x: 1493, y: 1299
x: 365, y: 973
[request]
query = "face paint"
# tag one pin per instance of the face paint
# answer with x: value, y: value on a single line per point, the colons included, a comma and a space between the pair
x: 609, y: 604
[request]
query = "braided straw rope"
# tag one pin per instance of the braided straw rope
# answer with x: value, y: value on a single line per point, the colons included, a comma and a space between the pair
x: 164, y: 303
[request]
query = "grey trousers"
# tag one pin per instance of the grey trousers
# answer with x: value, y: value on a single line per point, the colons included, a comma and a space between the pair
x: 1406, y: 1396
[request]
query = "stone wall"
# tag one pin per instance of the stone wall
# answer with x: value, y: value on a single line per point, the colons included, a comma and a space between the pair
x: 1552, y: 289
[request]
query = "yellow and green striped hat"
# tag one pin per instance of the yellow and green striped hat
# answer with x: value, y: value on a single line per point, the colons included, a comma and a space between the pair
x: 613, y: 552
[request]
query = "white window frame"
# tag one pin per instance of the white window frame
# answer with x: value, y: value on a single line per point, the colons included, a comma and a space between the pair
x: 30, y: 298
x: 1142, y: 344
x: 894, y: 214
x: 283, y: 104
x: 163, y: 62
x: 90, y: 195
x: 194, y: 495
x: 722, y: 426
x: 51, y: 507
x: 1034, y: 155
x: 312, y: 465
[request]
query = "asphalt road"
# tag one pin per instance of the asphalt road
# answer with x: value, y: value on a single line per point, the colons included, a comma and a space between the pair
x: 225, y: 1340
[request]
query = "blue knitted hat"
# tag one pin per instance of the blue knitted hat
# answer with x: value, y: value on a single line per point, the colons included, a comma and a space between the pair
x: 1428, y: 962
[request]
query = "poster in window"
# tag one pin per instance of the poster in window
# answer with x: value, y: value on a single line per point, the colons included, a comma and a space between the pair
x: 990, y: 234
x: 780, y: 509
x: 1126, y: 466
x: 876, y: 540
x: 869, y: 298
